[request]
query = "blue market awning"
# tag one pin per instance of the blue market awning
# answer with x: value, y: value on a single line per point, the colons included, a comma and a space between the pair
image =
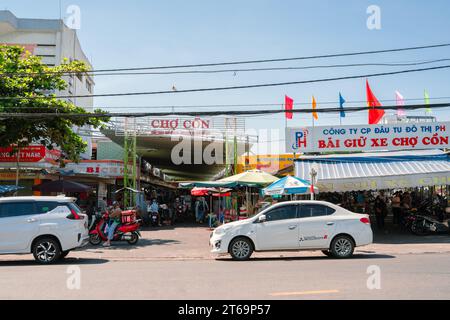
x: 377, y: 171
x: 9, y: 189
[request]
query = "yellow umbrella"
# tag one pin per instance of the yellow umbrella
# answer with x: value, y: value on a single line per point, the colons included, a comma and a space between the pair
x: 252, y: 177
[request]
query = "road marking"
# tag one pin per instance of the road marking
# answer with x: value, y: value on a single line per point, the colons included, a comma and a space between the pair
x: 302, y: 293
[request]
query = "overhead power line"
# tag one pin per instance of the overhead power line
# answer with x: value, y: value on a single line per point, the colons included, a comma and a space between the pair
x: 253, y: 86
x: 237, y: 70
x: 216, y: 113
x: 211, y: 106
x: 336, y: 55
x: 393, y: 64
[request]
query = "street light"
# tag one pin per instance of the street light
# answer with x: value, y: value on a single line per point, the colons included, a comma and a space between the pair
x: 313, y: 173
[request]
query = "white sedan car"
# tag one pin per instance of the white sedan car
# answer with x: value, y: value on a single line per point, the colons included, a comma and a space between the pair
x: 47, y: 227
x: 295, y: 225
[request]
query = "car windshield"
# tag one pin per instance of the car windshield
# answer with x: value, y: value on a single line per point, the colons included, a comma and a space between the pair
x: 263, y: 206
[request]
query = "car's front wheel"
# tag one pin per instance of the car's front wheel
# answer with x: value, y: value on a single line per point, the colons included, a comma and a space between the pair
x: 342, y: 247
x: 241, y: 249
x: 46, y: 251
x: 327, y: 253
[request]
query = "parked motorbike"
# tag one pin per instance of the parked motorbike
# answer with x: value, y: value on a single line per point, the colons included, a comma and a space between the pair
x: 424, y: 225
x: 128, y: 231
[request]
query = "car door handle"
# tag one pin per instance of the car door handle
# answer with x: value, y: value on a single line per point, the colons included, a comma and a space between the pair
x: 31, y: 220
x: 330, y: 224
x: 292, y: 227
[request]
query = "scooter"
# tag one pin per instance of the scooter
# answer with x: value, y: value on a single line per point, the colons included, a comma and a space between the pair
x: 180, y: 212
x: 125, y: 232
x: 423, y: 226
x: 154, y: 219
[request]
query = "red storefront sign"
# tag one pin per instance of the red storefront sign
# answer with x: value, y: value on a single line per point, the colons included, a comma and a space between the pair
x: 27, y: 154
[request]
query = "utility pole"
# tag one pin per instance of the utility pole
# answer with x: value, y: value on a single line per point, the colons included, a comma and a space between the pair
x: 130, y: 154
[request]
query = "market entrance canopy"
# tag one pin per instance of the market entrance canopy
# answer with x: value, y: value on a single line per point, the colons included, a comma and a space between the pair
x: 377, y: 171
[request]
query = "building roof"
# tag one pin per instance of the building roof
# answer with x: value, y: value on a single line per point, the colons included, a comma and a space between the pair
x: 377, y: 171
x: 30, y: 24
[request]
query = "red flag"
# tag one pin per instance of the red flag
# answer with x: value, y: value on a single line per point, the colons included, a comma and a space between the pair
x: 375, y: 115
x: 289, y: 105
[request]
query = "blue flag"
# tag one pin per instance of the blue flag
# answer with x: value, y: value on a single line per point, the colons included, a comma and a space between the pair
x: 341, y: 103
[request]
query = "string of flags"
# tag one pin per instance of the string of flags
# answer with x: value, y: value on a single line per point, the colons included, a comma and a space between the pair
x: 375, y: 113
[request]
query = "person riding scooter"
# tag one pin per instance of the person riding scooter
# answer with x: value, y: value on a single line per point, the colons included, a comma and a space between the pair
x: 154, y: 215
x: 115, y: 220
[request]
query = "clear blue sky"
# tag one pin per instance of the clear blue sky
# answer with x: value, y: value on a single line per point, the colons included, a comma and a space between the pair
x: 146, y: 33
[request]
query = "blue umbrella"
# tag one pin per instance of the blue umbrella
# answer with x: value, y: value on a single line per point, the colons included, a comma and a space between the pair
x: 289, y: 186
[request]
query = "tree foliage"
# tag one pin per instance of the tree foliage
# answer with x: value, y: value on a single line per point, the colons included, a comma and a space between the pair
x: 22, y: 76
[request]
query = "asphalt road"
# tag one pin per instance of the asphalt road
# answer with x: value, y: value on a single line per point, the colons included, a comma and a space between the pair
x: 414, y: 276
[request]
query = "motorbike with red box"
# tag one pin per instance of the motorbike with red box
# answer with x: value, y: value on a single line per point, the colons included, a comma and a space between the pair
x: 128, y: 230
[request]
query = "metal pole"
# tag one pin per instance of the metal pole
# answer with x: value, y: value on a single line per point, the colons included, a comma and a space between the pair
x: 18, y: 166
x: 125, y: 170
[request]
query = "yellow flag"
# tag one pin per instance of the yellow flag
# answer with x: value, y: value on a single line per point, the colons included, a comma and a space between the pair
x: 314, y: 106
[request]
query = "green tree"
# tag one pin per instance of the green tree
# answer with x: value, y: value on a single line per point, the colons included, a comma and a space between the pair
x: 28, y: 86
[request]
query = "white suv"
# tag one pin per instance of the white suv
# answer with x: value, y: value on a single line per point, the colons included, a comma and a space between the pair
x: 295, y: 225
x: 47, y: 227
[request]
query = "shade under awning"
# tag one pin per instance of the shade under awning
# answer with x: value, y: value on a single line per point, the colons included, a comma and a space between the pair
x: 62, y: 186
x: 377, y: 171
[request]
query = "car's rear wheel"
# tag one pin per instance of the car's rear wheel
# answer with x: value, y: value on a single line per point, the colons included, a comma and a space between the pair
x: 46, y: 251
x: 134, y: 239
x: 342, y: 247
x: 241, y: 249
x: 64, y: 254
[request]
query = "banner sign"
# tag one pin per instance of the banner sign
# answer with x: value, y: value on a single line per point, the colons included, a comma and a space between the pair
x: 27, y: 154
x: 180, y: 123
x: 106, y: 169
x: 387, y: 137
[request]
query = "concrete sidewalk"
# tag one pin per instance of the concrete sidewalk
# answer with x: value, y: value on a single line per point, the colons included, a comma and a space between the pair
x: 192, y: 243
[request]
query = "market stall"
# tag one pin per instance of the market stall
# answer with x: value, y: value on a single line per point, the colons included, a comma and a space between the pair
x: 240, y: 204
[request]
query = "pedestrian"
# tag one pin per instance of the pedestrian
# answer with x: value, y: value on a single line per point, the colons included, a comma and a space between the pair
x: 102, y: 205
x: 380, y: 212
x: 406, y: 205
x: 397, y: 207
x: 200, y: 208
x: 221, y: 215
x: 115, y: 217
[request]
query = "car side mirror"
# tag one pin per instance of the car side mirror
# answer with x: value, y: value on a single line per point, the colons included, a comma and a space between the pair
x: 262, y: 218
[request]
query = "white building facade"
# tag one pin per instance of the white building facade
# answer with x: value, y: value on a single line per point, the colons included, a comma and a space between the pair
x: 52, y: 41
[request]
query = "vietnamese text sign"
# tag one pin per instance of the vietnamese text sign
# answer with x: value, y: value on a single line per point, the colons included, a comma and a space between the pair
x: 27, y: 154
x: 401, y: 136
